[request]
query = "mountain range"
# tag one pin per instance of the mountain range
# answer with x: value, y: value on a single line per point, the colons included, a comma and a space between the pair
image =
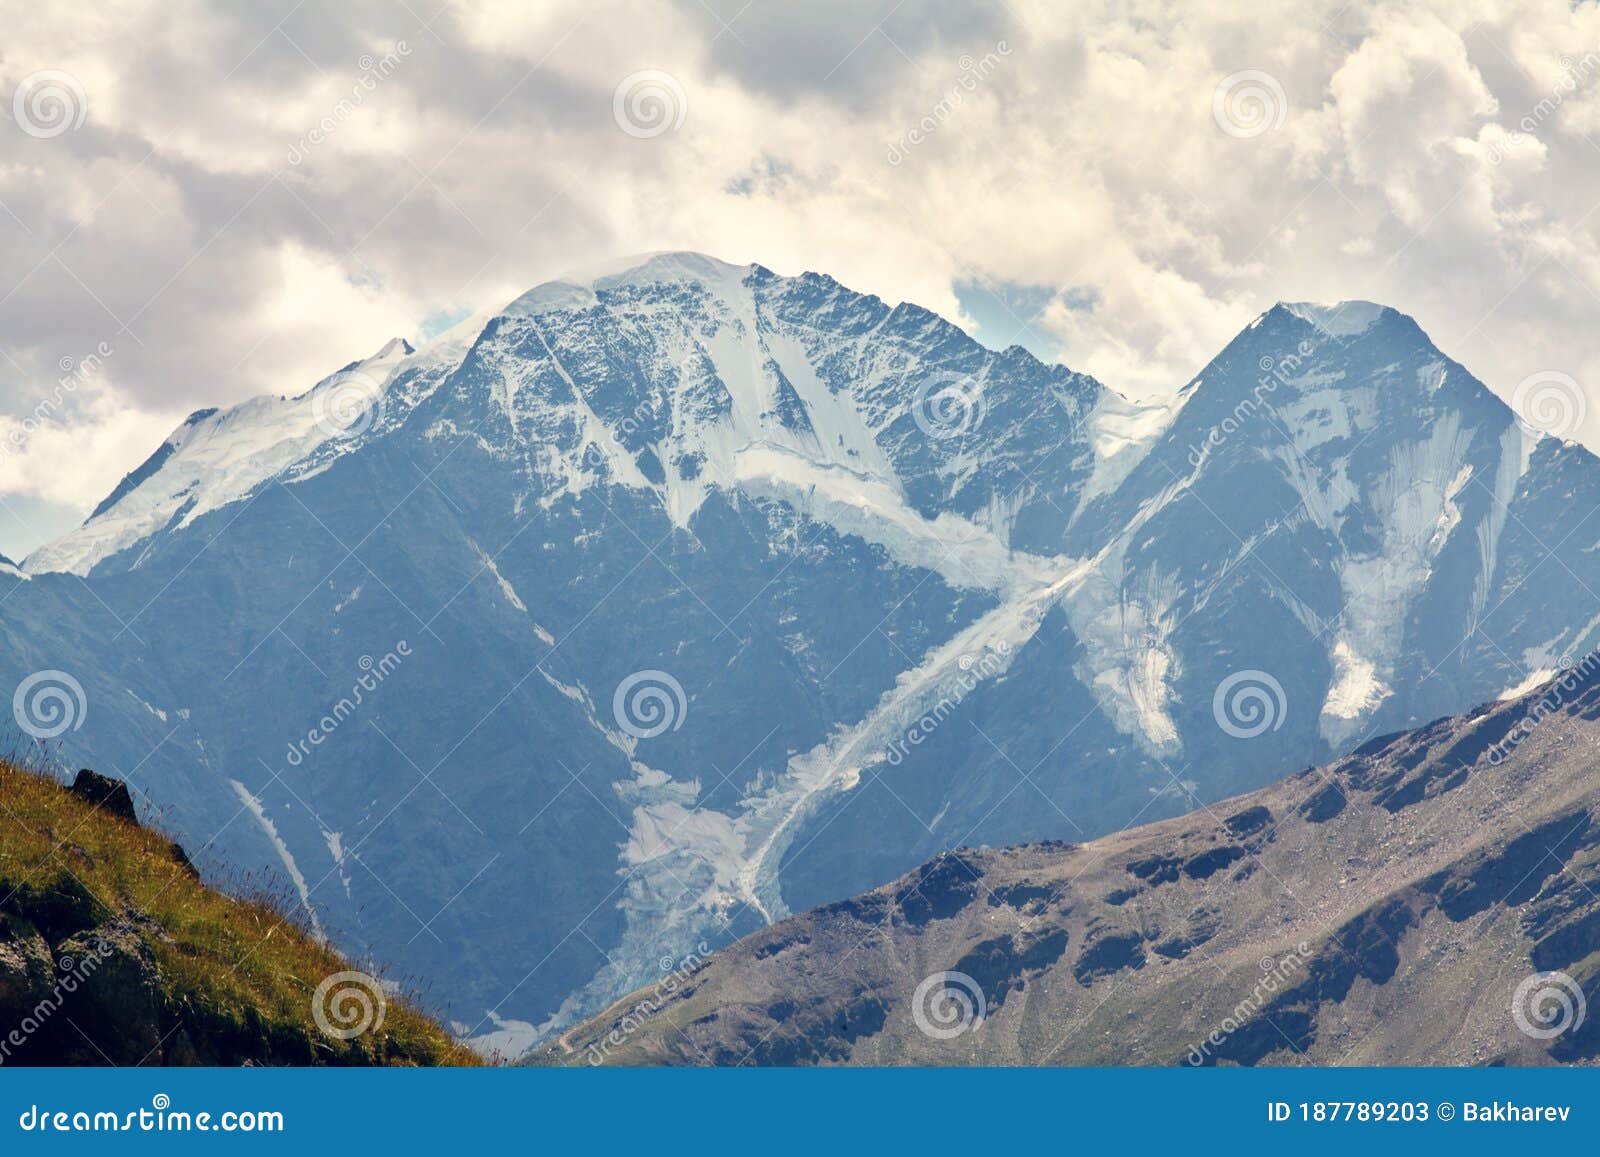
x: 678, y: 596
x: 1429, y: 899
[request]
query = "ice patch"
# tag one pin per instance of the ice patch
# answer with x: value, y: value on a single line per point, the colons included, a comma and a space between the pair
x: 1121, y: 431
x: 1413, y: 509
x: 1337, y: 319
x: 510, y: 1038
x: 1124, y: 623
x: 335, y: 842
x: 350, y: 598
x: 1356, y: 688
x: 1318, y: 416
x: 961, y: 552
x: 156, y: 711
x: 1533, y: 680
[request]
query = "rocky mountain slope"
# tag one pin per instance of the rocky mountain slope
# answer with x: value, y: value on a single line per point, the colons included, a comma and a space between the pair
x: 113, y: 953
x: 1433, y: 898
x: 674, y: 597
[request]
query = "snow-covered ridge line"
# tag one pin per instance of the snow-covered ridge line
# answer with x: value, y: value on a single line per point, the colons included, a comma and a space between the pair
x: 216, y: 458
x: 219, y: 457
x: 1338, y: 318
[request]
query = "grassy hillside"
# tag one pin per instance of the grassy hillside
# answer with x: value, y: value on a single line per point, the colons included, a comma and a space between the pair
x: 113, y: 951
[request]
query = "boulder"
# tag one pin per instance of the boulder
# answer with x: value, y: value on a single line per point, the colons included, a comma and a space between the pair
x: 105, y: 793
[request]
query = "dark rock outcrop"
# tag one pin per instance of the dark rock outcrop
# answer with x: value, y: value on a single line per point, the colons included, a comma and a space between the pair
x: 107, y: 794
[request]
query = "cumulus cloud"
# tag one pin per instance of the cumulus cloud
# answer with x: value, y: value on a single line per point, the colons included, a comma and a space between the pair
x: 258, y: 194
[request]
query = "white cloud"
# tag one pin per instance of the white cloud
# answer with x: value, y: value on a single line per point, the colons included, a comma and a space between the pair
x: 1438, y: 158
x: 44, y: 458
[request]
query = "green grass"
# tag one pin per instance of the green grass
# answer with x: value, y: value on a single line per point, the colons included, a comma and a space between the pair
x: 239, y: 973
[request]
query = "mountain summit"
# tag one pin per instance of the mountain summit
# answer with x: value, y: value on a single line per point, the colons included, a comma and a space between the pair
x: 677, y: 596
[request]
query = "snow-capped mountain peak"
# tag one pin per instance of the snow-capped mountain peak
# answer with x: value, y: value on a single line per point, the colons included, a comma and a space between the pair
x: 744, y: 380
x: 579, y: 288
x: 216, y: 457
x: 1339, y: 318
x: 906, y: 588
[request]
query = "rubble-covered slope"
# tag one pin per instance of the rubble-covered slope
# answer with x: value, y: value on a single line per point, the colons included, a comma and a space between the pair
x: 1434, y: 898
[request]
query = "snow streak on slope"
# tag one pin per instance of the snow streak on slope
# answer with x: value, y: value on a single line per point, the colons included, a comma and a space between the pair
x: 1124, y: 622
x: 270, y: 830
x: 1516, y: 445
x: 766, y: 428
x: 1415, y: 504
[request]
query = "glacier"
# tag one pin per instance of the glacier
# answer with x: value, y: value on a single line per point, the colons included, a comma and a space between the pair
x: 830, y: 520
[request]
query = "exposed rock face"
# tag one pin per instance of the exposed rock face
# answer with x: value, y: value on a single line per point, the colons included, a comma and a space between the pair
x: 77, y: 982
x: 885, y: 568
x: 1432, y: 898
x: 107, y: 794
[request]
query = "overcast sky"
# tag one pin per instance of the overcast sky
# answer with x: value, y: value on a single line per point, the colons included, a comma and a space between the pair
x: 202, y: 204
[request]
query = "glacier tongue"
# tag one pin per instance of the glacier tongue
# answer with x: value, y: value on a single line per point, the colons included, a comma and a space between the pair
x: 962, y: 552
x: 692, y: 868
x: 675, y: 464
